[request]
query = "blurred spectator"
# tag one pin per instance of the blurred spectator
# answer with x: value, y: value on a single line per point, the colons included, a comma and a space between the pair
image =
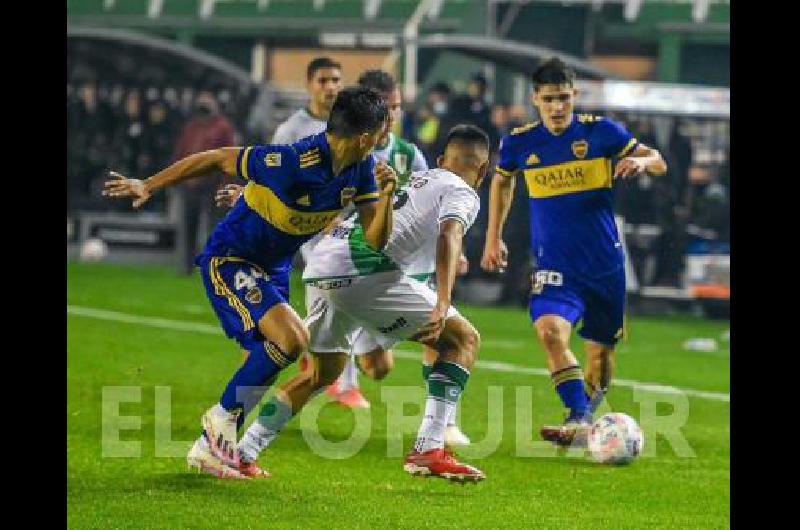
x: 433, y: 121
x: 711, y: 210
x: 500, y: 118
x: 473, y: 108
x: 159, y: 127
x: 679, y: 160
x: 517, y: 117
x: 208, y: 129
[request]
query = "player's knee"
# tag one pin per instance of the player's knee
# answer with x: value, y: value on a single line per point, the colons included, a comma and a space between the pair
x: 473, y: 340
x: 552, y: 336
x: 381, y: 365
x: 370, y: 364
x: 460, y: 343
x: 296, y: 340
x: 463, y: 333
x: 471, y: 344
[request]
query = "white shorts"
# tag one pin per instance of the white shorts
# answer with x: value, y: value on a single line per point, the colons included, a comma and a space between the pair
x: 363, y: 313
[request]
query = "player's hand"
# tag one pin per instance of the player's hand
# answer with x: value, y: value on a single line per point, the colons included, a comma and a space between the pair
x: 629, y: 167
x: 429, y: 333
x: 495, y: 256
x: 386, y: 178
x: 120, y: 187
x: 228, y: 195
x: 463, y: 265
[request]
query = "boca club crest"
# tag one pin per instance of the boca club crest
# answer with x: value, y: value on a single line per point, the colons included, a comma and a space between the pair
x: 580, y: 148
x: 254, y: 296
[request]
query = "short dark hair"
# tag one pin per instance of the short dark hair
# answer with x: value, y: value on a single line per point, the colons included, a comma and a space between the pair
x: 320, y: 63
x: 379, y: 80
x: 441, y: 87
x: 553, y: 71
x: 357, y: 110
x: 468, y: 134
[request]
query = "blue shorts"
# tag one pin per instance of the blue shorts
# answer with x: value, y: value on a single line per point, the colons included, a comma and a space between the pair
x: 600, y: 302
x: 241, y: 293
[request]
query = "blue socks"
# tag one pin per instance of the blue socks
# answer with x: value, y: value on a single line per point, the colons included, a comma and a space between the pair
x: 570, y: 387
x: 264, y: 362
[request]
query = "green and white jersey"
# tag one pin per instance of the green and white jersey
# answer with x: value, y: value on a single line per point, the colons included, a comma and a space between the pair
x: 404, y: 157
x: 428, y: 198
x: 297, y: 126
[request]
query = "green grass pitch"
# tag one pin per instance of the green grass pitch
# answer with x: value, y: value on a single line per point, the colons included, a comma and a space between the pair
x: 524, y: 488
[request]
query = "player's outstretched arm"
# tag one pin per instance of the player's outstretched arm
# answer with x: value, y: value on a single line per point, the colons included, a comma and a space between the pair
x: 376, y: 217
x: 196, y: 165
x: 501, y: 193
x: 643, y: 158
x: 448, y: 251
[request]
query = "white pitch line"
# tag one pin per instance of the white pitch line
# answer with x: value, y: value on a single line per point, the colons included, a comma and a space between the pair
x: 153, y: 322
x: 495, y: 366
x: 498, y: 366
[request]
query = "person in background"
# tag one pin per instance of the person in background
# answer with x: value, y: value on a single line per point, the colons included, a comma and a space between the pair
x: 207, y: 129
x: 323, y: 82
x: 474, y: 108
x: 433, y: 121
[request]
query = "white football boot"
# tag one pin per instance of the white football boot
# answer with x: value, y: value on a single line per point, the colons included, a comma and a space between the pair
x: 453, y: 437
x: 201, y: 458
x: 220, y: 427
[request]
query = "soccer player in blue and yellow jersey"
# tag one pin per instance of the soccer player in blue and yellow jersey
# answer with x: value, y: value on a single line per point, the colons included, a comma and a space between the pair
x: 566, y: 160
x: 292, y: 193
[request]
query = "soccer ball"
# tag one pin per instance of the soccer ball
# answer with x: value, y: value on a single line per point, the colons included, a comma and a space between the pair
x: 94, y: 249
x: 615, y: 438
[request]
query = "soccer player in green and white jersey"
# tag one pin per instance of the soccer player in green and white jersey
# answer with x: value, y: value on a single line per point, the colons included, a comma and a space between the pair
x: 405, y: 158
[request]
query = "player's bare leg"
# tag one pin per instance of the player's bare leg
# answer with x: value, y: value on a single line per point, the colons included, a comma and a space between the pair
x: 377, y: 363
x: 457, y: 349
x: 345, y: 390
x: 372, y: 359
x: 289, y: 398
x: 554, y: 333
x: 600, y: 365
x: 287, y: 339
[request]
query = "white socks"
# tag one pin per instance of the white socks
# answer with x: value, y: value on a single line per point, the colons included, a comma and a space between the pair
x: 431, y: 431
x: 349, y: 377
x: 272, y: 418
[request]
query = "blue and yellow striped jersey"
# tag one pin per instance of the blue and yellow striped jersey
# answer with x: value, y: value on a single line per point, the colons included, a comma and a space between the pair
x: 290, y: 195
x: 570, y: 184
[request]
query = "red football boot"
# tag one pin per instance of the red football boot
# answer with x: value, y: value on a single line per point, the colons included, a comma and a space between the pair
x: 440, y: 463
x: 252, y: 470
x: 353, y: 399
x: 333, y: 389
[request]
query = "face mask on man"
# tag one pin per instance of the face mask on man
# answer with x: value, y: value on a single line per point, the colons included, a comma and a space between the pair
x: 439, y: 108
x: 202, y: 110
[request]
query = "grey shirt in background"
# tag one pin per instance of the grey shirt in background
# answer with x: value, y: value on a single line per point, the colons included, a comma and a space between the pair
x: 299, y: 125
